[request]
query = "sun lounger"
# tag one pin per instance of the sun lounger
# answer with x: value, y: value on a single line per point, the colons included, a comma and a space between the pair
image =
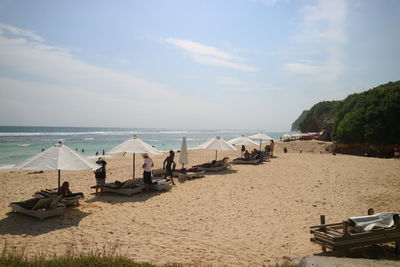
x: 40, y: 208
x: 214, y: 169
x: 214, y: 166
x: 68, y: 200
x: 158, y: 172
x: 162, y: 185
x: 128, y: 188
x: 193, y: 175
x: 342, y: 236
x: 246, y: 161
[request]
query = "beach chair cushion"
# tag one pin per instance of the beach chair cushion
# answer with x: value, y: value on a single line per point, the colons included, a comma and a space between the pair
x: 43, y: 203
x: 27, y: 204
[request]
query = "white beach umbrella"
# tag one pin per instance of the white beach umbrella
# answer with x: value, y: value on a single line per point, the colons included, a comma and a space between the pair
x: 261, y: 136
x: 183, y: 155
x: 134, y: 145
x: 242, y: 140
x: 216, y: 143
x: 58, y: 157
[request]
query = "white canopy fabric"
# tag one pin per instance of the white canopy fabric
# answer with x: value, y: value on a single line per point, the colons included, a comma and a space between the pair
x: 261, y: 136
x: 242, y: 140
x: 134, y: 145
x: 216, y: 143
x: 58, y: 157
x: 183, y: 155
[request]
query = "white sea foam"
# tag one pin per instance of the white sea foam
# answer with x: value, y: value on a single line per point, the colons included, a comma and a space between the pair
x: 7, y: 167
x: 24, y: 145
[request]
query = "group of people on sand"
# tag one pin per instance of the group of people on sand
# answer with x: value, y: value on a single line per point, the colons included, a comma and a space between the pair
x: 168, y: 165
x: 256, y: 154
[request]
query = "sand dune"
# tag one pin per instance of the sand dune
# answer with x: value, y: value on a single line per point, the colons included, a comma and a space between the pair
x: 249, y: 215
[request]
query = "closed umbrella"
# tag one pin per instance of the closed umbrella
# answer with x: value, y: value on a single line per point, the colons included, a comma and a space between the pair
x: 58, y: 157
x: 183, y: 157
x: 242, y: 140
x: 134, y: 145
x: 216, y: 143
x: 261, y: 136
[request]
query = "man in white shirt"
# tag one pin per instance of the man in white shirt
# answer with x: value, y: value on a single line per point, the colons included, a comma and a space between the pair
x: 147, y: 165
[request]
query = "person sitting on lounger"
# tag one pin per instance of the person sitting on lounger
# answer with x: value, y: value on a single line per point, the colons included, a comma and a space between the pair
x: 169, y: 165
x: 247, y: 155
x: 254, y: 154
x: 64, y: 189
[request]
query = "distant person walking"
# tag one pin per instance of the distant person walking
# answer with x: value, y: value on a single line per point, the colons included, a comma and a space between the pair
x: 147, y: 165
x: 100, y: 175
x: 396, y: 152
x: 169, y: 166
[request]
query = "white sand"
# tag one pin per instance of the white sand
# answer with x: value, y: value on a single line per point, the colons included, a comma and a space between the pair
x: 251, y: 215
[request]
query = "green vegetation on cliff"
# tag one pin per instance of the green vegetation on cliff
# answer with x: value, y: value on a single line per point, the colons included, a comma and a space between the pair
x: 296, y: 123
x: 371, y: 117
x: 320, y: 117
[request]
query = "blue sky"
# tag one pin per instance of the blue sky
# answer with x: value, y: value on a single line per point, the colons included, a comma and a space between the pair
x: 237, y: 64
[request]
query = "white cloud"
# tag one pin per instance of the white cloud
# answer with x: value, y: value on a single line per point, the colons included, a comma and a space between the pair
x: 20, y: 32
x: 49, y: 85
x: 209, y: 55
x: 301, y: 68
x: 267, y: 2
x: 322, y: 30
x: 228, y: 80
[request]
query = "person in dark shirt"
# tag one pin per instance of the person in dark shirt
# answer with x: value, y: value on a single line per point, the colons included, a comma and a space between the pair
x: 100, y: 175
x: 169, y: 166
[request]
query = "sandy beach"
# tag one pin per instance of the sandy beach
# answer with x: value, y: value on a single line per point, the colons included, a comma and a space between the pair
x: 246, y: 216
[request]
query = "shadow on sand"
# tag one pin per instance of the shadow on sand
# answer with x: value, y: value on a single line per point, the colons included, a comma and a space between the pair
x: 224, y: 172
x: 113, y: 198
x: 19, y: 224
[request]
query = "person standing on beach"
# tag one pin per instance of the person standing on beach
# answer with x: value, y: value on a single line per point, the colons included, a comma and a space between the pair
x: 242, y: 150
x: 271, y: 147
x: 147, y: 165
x: 170, y: 165
x: 100, y: 175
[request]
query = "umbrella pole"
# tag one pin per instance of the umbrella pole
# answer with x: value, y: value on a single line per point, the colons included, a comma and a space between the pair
x: 133, y: 168
x: 260, y: 144
x: 216, y: 151
x: 59, y: 178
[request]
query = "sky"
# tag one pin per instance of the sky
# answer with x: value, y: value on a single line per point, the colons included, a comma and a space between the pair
x: 205, y: 64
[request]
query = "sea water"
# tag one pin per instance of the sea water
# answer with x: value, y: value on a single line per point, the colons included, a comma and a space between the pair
x: 18, y: 143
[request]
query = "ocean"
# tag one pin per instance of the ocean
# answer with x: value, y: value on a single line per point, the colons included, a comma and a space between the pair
x: 18, y: 143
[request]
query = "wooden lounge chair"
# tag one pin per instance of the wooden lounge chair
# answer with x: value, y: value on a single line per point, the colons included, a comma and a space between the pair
x: 40, y: 208
x: 214, y: 166
x: 128, y: 188
x: 339, y: 237
x: 158, y: 172
x: 161, y: 184
x: 69, y: 200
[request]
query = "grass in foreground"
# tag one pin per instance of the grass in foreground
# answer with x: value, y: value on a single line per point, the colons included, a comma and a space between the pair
x: 10, y: 256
